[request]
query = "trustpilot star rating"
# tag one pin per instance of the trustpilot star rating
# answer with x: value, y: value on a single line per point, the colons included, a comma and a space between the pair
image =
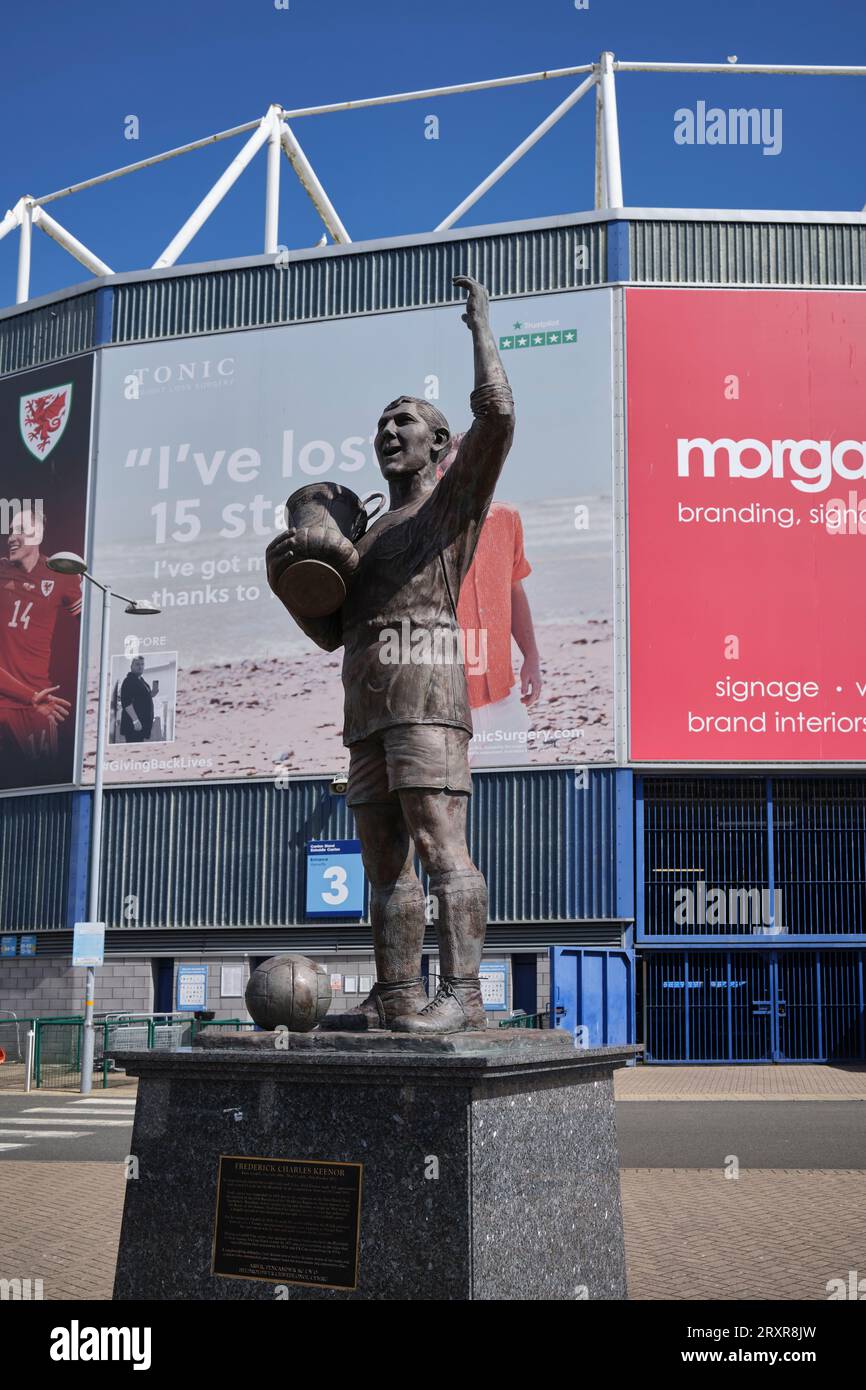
x: 550, y: 338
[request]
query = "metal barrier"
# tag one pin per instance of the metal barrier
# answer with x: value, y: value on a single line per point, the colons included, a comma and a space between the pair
x: 755, y: 1006
x: 57, y: 1055
x: 136, y: 1032
x: 13, y: 1051
x: 235, y: 1024
x: 57, y: 1045
x: 538, y: 1020
x: 149, y: 1032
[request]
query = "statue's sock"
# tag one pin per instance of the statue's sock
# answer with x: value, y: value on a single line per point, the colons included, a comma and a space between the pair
x: 460, y: 908
x: 397, y: 918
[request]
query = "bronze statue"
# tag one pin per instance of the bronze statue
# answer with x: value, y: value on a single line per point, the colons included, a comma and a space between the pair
x: 407, y: 717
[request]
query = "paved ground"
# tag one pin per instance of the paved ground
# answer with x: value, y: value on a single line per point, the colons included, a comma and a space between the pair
x: 771, y: 1234
x: 60, y: 1223
x: 793, y: 1219
x: 779, y: 1231
x: 706, y: 1134
x: 741, y: 1083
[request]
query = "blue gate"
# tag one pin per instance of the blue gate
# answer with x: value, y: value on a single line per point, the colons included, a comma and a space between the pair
x: 794, y: 845
x: 754, y: 1006
x: 593, y: 989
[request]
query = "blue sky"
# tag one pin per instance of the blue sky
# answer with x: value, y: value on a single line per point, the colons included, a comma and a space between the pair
x: 189, y: 68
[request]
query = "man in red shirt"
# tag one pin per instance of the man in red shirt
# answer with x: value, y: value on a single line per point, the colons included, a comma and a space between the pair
x: 492, y: 610
x: 32, y: 598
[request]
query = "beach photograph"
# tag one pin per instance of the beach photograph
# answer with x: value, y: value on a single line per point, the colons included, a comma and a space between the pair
x: 199, y: 454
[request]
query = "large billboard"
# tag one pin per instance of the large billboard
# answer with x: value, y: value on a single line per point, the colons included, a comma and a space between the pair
x: 45, y: 432
x: 747, y: 525
x: 200, y: 442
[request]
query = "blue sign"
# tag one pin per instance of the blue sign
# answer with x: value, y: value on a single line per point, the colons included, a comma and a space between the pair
x: 191, y: 988
x: 494, y: 985
x: 8, y: 945
x: 27, y: 945
x: 335, y: 878
x: 88, y: 943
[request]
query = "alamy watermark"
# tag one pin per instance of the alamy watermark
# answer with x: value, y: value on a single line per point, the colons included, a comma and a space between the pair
x: 77, y: 1343
x: 31, y: 512
x: 736, y: 126
x: 700, y: 906
x: 21, y: 1289
x: 853, y: 1287
x: 409, y: 645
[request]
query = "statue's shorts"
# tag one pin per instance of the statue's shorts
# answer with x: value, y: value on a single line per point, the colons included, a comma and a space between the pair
x: 433, y: 757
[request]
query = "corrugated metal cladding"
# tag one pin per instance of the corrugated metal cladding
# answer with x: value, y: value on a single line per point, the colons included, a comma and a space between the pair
x: 557, y: 856
x: 48, y: 333
x: 34, y: 861
x: 747, y: 253
x: 232, y: 855
x: 343, y: 938
x: 538, y: 260
x: 803, y: 838
x: 400, y: 277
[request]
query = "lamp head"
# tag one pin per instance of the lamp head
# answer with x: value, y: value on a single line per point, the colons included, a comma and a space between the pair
x: 67, y: 562
x: 140, y: 608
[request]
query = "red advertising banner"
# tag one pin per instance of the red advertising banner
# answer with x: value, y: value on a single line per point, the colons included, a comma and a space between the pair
x: 747, y: 525
x: 44, y: 464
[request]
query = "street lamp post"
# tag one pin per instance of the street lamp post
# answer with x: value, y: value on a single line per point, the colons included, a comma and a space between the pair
x: 65, y: 562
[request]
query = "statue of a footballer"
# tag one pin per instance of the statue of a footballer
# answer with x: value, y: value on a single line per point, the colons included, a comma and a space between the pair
x: 408, y: 722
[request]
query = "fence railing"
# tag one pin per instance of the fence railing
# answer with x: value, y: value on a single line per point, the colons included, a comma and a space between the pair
x: 538, y: 1020
x: 13, y: 1049
x: 57, y: 1045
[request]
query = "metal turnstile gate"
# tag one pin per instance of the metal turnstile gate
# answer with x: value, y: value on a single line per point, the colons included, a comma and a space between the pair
x: 754, y: 1006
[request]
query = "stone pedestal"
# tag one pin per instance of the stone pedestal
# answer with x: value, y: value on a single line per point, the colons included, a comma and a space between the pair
x: 489, y: 1161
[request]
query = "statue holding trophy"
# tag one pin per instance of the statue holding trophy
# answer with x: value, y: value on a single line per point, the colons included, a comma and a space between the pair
x: 387, y: 593
x: 332, y: 1120
x: 325, y: 520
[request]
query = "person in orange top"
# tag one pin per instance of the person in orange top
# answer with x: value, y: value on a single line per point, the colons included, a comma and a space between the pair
x: 492, y: 609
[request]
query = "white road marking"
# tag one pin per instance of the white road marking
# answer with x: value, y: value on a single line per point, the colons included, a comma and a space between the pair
x: 55, y: 1122
x: 104, y: 1100
x: 58, y: 1120
x: 42, y: 1134
x: 64, y: 1109
x: 94, y: 1109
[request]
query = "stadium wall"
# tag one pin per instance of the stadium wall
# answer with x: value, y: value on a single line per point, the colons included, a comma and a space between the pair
x: 215, y: 871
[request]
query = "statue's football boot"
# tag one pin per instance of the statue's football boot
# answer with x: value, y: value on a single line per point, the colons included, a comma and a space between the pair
x: 383, y: 1006
x: 456, y: 1008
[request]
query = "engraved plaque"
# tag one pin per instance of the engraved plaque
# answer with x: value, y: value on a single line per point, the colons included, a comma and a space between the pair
x: 288, y: 1220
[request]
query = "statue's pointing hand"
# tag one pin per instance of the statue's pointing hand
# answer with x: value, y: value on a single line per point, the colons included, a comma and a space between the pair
x: 478, y: 303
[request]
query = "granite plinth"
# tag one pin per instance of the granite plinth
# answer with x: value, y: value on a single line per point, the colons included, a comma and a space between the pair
x: 490, y: 1163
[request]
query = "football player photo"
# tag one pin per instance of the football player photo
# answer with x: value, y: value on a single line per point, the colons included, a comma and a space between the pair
x: 35, y: 605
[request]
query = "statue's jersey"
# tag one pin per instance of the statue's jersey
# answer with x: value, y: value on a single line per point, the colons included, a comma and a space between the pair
x: 30, y: 603
x: 404, y: 651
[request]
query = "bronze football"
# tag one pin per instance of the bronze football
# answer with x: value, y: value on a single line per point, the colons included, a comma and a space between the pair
x: 290, y: 991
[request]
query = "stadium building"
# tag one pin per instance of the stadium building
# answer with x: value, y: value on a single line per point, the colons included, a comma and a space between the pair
x: 674, y: 855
